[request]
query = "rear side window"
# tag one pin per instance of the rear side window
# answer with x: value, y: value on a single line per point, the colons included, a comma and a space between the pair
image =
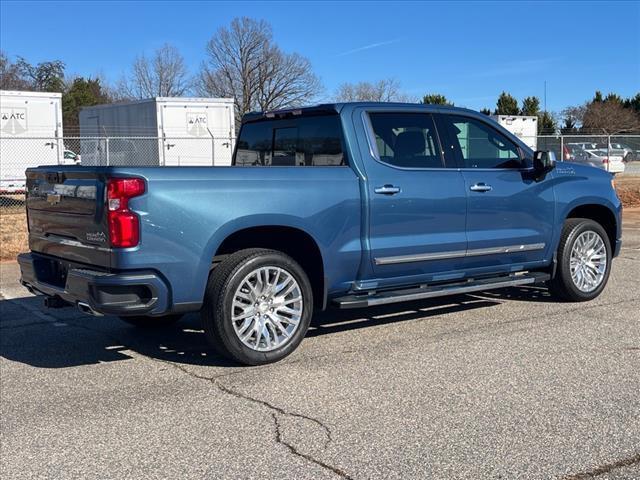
x: 478, y: 145
x: 303, y: 141
x: 406, y: 140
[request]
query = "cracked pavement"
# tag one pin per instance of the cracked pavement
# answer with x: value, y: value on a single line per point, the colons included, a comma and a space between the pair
x: 504, y: 384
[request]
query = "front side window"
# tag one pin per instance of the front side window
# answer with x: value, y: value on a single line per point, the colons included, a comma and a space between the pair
x: 477, y: 145
x: 304, y: 141
x: 406, y: 140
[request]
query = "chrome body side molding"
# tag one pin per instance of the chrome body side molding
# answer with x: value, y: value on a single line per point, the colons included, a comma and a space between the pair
x: 458, y: 254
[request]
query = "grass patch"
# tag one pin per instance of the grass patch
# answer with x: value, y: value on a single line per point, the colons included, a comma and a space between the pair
x: 13, y: 233
x: 628, y: 188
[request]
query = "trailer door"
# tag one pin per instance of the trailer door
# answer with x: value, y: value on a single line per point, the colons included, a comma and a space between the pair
x: 29, y: 133
x: 195, y: 135
x: 221, y: 128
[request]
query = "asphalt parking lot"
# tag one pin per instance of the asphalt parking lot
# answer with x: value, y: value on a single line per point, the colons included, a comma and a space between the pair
x: 505, y: 384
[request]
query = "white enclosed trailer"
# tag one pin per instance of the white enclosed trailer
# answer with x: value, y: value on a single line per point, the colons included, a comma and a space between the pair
x: 30, y: 135
x: 522, y: 126
x: 159, y: 131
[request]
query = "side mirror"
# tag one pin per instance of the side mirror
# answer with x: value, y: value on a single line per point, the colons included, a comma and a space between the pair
x: 543, y: 162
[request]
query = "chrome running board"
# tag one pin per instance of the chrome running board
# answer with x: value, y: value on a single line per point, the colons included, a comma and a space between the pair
x: 420, y: 292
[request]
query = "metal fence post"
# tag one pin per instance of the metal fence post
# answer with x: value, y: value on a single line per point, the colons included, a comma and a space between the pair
x: 609, y: 152
x: 106, y: 150
x: 562, y: 159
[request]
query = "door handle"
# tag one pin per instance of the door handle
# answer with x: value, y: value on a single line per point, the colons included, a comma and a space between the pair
x: 387, y: 190
x: 480, y: 187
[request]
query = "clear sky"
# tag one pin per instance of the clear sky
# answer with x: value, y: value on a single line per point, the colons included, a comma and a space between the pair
x: 469, y: 51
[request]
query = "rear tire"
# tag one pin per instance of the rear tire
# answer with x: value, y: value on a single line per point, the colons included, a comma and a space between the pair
x: 584, y: 261
x: 142, y: 321
x: 257, y: 307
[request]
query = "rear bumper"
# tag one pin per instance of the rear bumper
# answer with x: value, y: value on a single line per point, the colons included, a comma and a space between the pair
x: 130, y: 293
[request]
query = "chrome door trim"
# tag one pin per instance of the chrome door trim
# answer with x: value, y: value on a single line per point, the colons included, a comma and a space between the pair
x: 510, y: 249
x: 420, y: 257
x: 458, y: 254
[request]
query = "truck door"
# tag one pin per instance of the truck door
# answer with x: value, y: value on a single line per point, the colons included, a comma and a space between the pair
x: 417, y: 207
x: 510, y: 216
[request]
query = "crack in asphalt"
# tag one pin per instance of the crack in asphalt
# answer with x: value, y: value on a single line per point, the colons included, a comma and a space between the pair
x: 295, y: 451
x: 276, y: 411
x: 220, y: 386
x: 606, y: 468
x: 228, y: 390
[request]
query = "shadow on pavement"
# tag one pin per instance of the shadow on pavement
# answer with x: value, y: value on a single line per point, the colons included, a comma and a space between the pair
x: 36, y: 336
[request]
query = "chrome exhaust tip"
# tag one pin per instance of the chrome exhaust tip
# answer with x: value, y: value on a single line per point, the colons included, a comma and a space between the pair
x: 85, y: 308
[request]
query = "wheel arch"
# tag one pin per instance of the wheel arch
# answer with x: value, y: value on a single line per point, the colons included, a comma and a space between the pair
x: 291, y: 240
x: 600, y: 214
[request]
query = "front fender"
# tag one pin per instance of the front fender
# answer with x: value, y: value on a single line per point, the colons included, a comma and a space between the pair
x: 579, y: 186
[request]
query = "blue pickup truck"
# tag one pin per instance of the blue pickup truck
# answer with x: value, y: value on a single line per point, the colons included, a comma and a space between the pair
x: 344, y: 205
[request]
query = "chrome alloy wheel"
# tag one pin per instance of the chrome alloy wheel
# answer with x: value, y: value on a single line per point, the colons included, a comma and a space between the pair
x: 588, y: 261
x: 267, y: 308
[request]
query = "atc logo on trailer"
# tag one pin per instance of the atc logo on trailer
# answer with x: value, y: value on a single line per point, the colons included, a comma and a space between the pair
x: 14, y: 121
x: 197, y: 124
x: 30, y: 135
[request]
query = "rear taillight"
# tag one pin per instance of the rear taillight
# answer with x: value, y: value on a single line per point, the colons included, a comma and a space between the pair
x: 124, y: 225
x: 605, y: 159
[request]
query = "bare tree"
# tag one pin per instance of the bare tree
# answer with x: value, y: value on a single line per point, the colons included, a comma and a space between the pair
x: 387, y: 90
x: 574, y: 116
x: 245, y: 64
x: 163, y: 75
x: 22, y: 75
x: 610, y: 117
x: 10, y: 76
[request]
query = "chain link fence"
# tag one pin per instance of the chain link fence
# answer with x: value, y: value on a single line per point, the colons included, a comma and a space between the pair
x: 17, y: 154
x: 576, y: 147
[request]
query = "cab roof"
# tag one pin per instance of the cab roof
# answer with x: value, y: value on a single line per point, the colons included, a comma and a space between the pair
x: 325, y: 108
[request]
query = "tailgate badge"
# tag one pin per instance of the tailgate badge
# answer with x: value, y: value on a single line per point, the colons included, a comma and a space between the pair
x: 96, y: 237
x: 53, y: 198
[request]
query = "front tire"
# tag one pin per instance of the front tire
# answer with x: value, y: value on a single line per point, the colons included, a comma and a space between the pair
x: 584, y: 261
x: 257, y: 307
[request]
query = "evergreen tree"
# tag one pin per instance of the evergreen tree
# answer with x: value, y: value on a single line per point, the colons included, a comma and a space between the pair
x: 83, y: 92
x: 530, y: 106
x: 436, y: 99
x: 507, y: 105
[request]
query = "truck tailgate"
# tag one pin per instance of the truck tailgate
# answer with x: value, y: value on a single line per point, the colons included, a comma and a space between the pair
x: 66, y: 210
